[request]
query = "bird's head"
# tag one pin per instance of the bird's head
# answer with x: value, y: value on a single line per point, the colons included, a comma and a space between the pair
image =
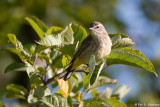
x: 96, y: 28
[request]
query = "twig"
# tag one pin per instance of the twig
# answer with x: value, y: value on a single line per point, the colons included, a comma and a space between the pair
x: 82, y: 71
x: 51, y: 79
x: 105, y: 68
x: 40, y: 78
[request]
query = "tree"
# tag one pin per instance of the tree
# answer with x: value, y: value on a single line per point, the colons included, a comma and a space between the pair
x: 55, y: 50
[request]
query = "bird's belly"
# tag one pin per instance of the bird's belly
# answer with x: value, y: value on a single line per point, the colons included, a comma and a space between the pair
x: 100, y: 51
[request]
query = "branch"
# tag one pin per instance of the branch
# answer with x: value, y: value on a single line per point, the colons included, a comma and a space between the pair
x: 51, y: 79
x: 82, y: 71
x: 106, y: 67
x: 40, y: 78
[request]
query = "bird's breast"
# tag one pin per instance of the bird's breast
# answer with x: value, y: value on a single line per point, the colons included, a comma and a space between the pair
x: 102, y: 48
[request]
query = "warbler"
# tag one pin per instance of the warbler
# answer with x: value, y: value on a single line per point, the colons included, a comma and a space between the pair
x: 98, y: 43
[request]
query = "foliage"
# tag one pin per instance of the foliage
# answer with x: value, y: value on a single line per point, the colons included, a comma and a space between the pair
x: 55, y: 50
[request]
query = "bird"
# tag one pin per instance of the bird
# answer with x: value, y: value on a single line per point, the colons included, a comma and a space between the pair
x: 98, y: 43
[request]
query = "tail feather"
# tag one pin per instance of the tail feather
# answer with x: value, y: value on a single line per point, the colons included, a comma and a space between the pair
x: 66, y: 74
x: 61, y: 75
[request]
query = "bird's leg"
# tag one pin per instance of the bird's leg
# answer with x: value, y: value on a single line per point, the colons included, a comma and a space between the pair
x: 83, y: 71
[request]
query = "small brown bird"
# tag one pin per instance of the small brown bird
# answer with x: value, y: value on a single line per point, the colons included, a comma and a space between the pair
x: 98, y: 43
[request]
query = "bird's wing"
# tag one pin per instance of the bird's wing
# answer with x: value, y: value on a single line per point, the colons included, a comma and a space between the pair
x: 85, y: 44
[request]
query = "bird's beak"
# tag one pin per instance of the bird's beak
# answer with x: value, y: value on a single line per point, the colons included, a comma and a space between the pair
x: 90, y: 28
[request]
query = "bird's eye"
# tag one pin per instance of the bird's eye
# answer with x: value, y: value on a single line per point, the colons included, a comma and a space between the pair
x: 97, y: 26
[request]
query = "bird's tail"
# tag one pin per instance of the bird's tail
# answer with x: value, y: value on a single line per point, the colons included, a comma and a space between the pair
x: 66, y: 74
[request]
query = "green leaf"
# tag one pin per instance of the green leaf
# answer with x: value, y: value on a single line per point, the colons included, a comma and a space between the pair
x: 40, y: 48
x: 45, y: 56
x: 56, y: 57
x: 115, y: 103
x: 68, y: 34
x: 16, y: 91
x: 95, y: 101
x: 91, y: 65
x: 121, y: 41
x: 69, y: 49
x: 121, y: 91
x: 1, y: 104
x: 94, y: 104
x: 86, y: 80
x: 51, y: 40
x: 131, y: 57
x: 31, y: 99
x: 41, y: 91
x: 77, y: 79
x: 38, y: 26
x: 101, y: 81
x: 96, y: 72
x: 79, y: 33
x: 94, y: 93
x: 54, y: 30
x: 54, y: 84
x: 33, y: 78
x: 69, y: 101
x: 56, y: 100
x: 17, y: 66
x: 118, y: 34
x: 15, y: 42
x: 31, y: 47
x: 18, y: 48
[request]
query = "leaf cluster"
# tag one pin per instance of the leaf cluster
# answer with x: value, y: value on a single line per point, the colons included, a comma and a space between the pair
x: 52, y: 54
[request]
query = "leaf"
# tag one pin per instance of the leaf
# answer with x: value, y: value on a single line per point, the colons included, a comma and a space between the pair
x: 56, y: 58
x: 18, y: 49
x: 31, y: 47
x: 106, y: 93
x: 17, y: 66
x: 78, y: 96
x: 55, y: 100
x: 86, y: 80
x: 54, y: 30
x: 69, y: 101
x: 118, y: 34
x: 94, y: 104
x: 121, y: 41
x: 94, y: 93
x: 38, y: 26
x: 65, y: 86
x: 51, y: 40
x: 121, y: 91
x: 45, y: 56
x: 95, y: 101
x: 31, y: 98
x: 131, y: 57
x: 41, y: 91
x: 16, y: 91
x: 101, y: 81
x: 15, y: 42
x: 1, y: 104
x: 79, y: 33
x: 69, y: 49
x: 78, y: 82
x: 91, y: 65
x: 33, y: 78
x: 68, y: 34
x: 96, y: 72
x: 54, y: 84
x: 115, y: 103
x: 40, y: 48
